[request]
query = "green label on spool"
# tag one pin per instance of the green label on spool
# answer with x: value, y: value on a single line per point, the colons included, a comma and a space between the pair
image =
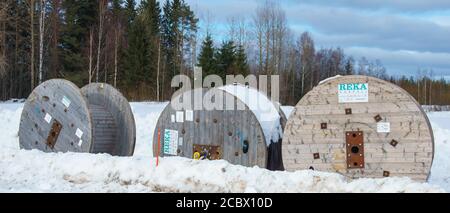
x: 170, y: 142
x: 353, y: 93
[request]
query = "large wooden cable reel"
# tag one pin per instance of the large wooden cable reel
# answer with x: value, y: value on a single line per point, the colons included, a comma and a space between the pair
x: 232, y: 135
x: 59, y: 117
x: 341, y: 127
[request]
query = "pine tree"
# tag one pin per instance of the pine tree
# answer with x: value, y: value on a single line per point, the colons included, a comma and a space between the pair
x: 206, y: 58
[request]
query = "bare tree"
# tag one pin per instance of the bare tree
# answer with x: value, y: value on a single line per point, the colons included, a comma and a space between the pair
x: 101, y: 18
x: 3, y: 8
x: 91, y: 38
x: 32, y: 9
x: 41, y: 39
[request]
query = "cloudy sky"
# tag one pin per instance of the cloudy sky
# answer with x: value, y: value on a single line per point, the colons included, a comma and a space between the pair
x: 404, y: 34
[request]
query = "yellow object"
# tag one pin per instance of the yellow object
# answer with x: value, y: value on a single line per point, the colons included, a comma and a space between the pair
x: 196, y: 156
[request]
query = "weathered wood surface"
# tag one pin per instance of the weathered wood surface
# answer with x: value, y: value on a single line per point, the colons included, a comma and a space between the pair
x: 113, y: 121
x: 409, y: 125
x: 225, y: 128
x: 95, y: 119
x: 47, y: 99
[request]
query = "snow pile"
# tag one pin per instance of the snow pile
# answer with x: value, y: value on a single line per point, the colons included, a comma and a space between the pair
x: 287, y: 110
x: 440, y: 171
x: 146, y: 116
x: 35, y: 171
x: 262, y: 107
x: 75, y: 172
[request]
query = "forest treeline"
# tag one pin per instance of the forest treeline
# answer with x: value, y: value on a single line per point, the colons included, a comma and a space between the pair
x: 139, y: 47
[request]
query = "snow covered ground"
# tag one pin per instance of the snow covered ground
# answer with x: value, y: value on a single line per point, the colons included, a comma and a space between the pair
x: 35, y: 171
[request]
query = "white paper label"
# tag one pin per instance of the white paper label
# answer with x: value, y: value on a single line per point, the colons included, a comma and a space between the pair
x: 66, y: 101
x: 48, y: 117
x: 80, y: 142
x: 170, y: 142
x: 79, y: 133
x: 172, y: 118
x: 180, y: 141
x: 353, y: 93
x: 383, y: 127
x: 189, y: 115
x: 180, y: 116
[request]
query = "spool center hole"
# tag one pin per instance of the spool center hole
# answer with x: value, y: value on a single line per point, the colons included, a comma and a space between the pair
x: 355, y: 149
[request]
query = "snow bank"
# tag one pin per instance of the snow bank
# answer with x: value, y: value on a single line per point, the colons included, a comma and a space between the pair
x: 287, y: 110
x: 440, y: 171
x: 146, y: 116
x: 262, y: 107
x: 35, y: 171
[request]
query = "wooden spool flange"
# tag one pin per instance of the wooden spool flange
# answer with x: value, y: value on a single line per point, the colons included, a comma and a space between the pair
x: 59, y: 117
x: 384, y: 133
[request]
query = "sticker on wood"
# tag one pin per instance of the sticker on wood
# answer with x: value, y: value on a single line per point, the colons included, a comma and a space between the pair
x: 361, y: 127
x: 59, y: 117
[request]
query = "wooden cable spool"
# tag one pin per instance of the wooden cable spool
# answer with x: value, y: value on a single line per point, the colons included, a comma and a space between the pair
x: 59, y: 117
x: 232, y: 135
x: 359, y: 126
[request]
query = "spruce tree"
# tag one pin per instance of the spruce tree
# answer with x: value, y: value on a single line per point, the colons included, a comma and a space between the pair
x: 225, y: 59
x: 206, y: 58
x: 79, y: 18
x: 241, y: 63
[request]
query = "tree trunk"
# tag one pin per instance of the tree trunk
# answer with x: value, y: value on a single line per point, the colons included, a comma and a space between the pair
x: 41, y: 39
x: 116, y: 44
x: 100, y: 36
x: 90, y: 54
x: 32, y: 2
x: 157, y: 69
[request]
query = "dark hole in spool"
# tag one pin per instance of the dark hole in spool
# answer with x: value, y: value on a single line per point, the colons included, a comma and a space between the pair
x: 378, y: 118
x: 213, y: 84
x: 215, y: 120
x: 35, y: 125
x: 355, y: 150
x: 65, y: 110
x: 71, y: 143
x: 348, y: 111
x: 245, y: 146
x: 36, y: 142
x: 71, y: 125
x: 316, y: 156
x: 197, y: 120
x: 54, y: 105
x: 43, y: 110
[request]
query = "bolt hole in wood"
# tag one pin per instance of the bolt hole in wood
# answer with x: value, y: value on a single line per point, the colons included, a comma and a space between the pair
x: 245, y: 146
x: 378, y: 118
x: 348, y: 111
x: 323, y: 125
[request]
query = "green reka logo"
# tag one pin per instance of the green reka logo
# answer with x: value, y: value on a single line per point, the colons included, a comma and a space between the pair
x: 352, y: 86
